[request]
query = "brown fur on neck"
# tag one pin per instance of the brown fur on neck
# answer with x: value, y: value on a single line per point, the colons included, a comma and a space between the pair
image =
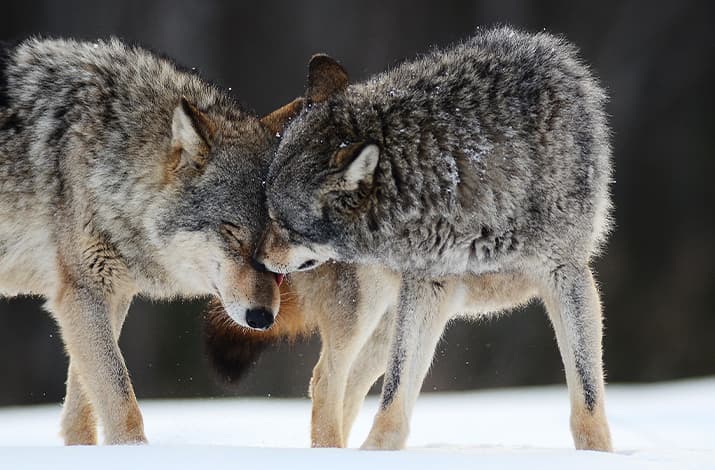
x: 232, y: 349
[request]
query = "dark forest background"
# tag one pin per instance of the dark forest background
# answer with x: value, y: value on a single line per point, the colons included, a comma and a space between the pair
x: 657, y: 61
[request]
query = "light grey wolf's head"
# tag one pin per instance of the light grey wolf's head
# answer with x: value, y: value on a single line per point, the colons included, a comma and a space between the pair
x: 210, y: 211
x: 320, y: 183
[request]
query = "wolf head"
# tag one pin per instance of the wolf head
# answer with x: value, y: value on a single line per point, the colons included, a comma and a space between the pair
x: 320, y: 183
x: 209, y: 214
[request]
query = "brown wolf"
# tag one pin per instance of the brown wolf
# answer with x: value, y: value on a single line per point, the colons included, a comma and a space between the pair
x: 122, y: 175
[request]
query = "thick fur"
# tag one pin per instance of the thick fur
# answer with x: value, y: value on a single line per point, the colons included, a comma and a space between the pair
x: 491, y: 156
x: 232, y: 349
x: 122, y: 175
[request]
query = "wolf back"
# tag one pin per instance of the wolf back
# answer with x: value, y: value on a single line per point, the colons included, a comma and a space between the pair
x: 483, y: 146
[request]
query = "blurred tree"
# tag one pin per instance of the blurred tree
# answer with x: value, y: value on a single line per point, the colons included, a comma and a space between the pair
x: 656, y: 59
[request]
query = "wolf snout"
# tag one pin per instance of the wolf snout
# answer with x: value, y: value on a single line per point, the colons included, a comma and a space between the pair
x: 262, y: 268
x: 263, y: 264
x: 259, y: 318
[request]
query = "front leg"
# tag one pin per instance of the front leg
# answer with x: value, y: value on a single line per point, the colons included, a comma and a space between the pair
x: 368, y: 366
x: 419, y: 323
x: 88, y: 320
x: 79, y: 424
x: 343, y: 333
x: 327, y: 389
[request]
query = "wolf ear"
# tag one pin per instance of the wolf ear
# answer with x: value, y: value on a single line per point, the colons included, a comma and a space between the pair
x: 278, y: 119
x: 357, y: 162
x: 326, y: 77
x: 192, y: 135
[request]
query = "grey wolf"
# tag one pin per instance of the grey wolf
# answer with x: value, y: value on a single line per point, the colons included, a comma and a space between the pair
x: 123, y: 175
x: 491, y: 156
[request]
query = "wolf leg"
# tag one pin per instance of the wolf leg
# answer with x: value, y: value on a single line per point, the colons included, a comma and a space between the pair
x: 343, y: 335
x: 368, y: 366
x: 327, y: 387
x: 574, y: 308
x: 419, y: 324
x: 79, y: 424
x: 88, y: 321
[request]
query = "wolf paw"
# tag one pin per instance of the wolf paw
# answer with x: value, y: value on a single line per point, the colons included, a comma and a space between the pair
x: 85, y: 437
x: 591, y: 432
x: 385, y: 440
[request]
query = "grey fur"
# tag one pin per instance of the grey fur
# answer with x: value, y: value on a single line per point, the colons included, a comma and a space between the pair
x: 91, y: 121
x: 122, y: 175
x: 492, y: 153
x: 494, y: 156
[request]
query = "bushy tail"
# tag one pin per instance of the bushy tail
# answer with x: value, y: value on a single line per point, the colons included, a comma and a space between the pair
x: 233, y: 349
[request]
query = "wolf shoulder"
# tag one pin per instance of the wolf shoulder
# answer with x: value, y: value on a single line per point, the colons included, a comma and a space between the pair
x: 107, y: 82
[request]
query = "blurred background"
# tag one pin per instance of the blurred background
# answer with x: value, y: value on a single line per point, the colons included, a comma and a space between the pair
x: 657, y: 61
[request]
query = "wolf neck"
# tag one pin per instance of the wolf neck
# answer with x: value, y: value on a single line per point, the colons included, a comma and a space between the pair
x: 418, y: 167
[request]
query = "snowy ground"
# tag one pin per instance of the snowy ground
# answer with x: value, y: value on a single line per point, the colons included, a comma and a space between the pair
x: 655, y: 426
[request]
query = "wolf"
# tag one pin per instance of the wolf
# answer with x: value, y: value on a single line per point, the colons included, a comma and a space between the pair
x: 353, y: 308
x: 491, y: 156
x: 122, y: 174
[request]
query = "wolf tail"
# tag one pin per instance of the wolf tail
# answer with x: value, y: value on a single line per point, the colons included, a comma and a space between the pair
x: 233, y: 349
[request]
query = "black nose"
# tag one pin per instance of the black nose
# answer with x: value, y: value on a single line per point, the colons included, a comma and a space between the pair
x: 259, y: 318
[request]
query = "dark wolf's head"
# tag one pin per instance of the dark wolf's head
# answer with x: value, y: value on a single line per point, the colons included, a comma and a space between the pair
x: 321, y: 180
x: 211, y: 208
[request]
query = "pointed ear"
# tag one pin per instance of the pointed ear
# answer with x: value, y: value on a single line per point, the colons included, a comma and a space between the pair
x: 192, y: 135
x: 279, y: 119
x: 358, y: 163
x: 326, y: 77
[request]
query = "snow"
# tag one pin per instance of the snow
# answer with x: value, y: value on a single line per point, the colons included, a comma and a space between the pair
x: 656, y: 426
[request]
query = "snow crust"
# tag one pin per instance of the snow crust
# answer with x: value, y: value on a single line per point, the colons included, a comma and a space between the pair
x: 655, y: 426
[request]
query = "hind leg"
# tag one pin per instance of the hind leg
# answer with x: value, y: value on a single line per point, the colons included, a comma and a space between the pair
x: 574, y: 308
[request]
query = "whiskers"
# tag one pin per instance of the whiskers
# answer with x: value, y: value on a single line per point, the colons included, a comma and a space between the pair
x: 288, y: 296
